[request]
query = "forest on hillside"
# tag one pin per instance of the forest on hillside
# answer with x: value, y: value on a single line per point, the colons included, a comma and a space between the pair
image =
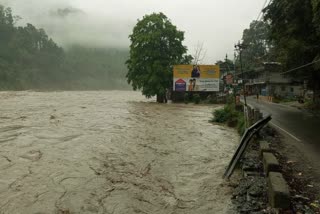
x: 30, y: 59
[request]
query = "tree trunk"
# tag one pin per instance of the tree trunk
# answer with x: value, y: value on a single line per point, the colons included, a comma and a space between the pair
x: 160, y: 98
x: 316, y: 88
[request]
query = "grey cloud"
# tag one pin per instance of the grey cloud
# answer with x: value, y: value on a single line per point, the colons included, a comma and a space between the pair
x: 216, y: 23
x: 64, y: 12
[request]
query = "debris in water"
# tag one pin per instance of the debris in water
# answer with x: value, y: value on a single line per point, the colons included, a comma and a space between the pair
x: 64, y: 211
x: 33, y: 155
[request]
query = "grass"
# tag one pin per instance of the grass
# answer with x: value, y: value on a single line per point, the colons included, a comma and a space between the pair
x: 196, y: 98
x: 192, y: 98
x: 186, y: 98
x: 241, y: 126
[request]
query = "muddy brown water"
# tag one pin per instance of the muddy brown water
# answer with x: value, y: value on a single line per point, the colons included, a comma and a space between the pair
x: 110, y: 152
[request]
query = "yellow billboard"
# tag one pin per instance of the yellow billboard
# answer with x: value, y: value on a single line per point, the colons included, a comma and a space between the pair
x: 196, y: 77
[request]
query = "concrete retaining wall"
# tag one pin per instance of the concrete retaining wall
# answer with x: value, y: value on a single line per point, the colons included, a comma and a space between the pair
x: 277, y: 188
x: 253, y: 115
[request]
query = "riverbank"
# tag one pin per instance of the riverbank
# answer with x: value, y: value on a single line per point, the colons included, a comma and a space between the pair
x: 251, y: 193
x: 302, y: 175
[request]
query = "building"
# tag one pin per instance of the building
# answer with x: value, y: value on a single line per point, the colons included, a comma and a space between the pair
x: 268, y: 80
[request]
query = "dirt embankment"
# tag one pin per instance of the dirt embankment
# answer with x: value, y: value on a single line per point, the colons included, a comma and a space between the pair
x: 300, y: 173
x: 250, y: 195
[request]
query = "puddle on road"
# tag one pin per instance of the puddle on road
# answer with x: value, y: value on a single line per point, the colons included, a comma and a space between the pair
x: 110, y: 152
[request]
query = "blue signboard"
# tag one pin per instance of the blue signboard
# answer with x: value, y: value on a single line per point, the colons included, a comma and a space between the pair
x: 180, y: 85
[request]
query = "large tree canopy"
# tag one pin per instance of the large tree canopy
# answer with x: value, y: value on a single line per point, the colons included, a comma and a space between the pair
x: 295, y: 34
x: 156, y: 45
x: 257, y: 47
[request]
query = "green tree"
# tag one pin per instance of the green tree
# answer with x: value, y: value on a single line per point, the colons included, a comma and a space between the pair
x: 187, y: 59
x: 226, y: 66
x: 316, y: 14
x: 156, y: 45
x: 257, y: 46
x: 295, y: 34
x: 316, y: 23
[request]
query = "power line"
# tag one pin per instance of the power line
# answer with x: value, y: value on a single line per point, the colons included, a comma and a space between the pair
x: 260, y: 16
x: 303, y: 66
x: 261, y: 11
x: 264, y: 5
x: 291, y: 70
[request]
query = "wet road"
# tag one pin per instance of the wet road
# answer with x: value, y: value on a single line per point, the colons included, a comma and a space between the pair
x: 302, y: 126
x: 110, y: 152
x: 301, y: 129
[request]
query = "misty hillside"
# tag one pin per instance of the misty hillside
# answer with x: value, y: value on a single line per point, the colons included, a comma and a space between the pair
x: 94, y: 68
x: 29, y: 59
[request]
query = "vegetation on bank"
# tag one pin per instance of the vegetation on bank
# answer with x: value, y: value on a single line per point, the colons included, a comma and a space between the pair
x: 29, y: 59
x: 201, y: 98
x: 230, y: 116
x: 192, y: 98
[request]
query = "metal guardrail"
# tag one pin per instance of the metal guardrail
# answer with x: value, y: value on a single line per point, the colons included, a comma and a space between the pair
x: 247, y: 136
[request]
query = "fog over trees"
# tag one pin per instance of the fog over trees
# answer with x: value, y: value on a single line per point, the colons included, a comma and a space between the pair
x: 30, y: 59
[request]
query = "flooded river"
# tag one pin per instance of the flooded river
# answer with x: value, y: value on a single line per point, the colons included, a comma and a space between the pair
x: 110, y: 152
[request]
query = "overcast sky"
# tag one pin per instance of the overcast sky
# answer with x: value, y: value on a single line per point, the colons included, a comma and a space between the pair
x: 218, y: 24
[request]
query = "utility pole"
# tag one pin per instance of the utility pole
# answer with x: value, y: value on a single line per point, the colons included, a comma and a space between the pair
x: 226, y: 61
x: 240, y: 47
x: 234, y: 65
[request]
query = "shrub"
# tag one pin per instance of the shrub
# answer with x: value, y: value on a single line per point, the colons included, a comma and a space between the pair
x: 308, y: 104
x: 227, y: 114
x: 230, y: 116
x: 277, y: 99
x: 196, y: 98
x: 232, y: 121
x: 212, y: 100
x: 220, y: 116
x: 186, y: 98
x: 230, y: 100
x: 241, y: 124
